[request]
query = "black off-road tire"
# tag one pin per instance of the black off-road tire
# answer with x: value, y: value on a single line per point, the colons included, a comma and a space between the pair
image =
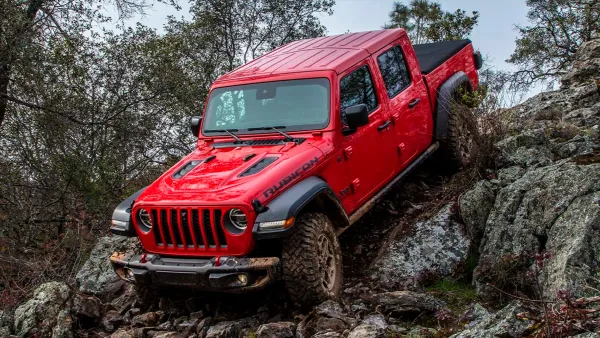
x: 459, y: 148
x: 312, y: 260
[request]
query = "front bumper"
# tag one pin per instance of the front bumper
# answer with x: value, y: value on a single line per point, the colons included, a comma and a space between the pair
x: 230, y: 274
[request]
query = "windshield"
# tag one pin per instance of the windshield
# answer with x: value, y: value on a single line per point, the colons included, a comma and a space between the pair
x: 293, y: 105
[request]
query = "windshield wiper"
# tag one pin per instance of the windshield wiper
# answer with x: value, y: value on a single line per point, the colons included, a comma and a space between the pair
x: 288, y: 138
x: 228, y: 131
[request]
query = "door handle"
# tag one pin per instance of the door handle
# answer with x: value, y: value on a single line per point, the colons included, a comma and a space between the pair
x: 385, y: 125
x: 413, y: 103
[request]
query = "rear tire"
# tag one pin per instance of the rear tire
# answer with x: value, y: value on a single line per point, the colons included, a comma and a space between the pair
x: 459, y: 148
x: 312, y: 260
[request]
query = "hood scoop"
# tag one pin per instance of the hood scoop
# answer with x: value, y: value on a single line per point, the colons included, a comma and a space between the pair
x: 259, y: 166
x: 250, y: 143
x: 186, y: 168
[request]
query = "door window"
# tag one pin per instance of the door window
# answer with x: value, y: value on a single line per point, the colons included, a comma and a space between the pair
x: 356, y: 88
x: 394, y: 71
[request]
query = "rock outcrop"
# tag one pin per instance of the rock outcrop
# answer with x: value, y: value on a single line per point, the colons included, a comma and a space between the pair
x: 97, y: 276
x: 435, y: 248
x: 533, y: 227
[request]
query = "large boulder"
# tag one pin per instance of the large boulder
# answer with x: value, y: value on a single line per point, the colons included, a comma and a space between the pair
x: 437, y: 247
x: 46, y: 306
x: 97, y: 276
x: 552, y: 210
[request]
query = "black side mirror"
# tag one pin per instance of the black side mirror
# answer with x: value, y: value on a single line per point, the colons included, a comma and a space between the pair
x: 356, y: 116
x: 195, y: 125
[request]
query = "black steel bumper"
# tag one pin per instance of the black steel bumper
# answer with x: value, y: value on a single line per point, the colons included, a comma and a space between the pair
x: 231, y: 274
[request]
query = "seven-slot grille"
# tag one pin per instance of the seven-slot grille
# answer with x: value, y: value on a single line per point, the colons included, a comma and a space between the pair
x: 192, y: 228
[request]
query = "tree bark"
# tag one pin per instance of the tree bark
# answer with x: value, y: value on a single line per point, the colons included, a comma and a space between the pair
x: 4, y: 76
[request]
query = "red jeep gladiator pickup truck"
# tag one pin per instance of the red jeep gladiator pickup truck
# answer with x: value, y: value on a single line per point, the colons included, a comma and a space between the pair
x: 292, y: 149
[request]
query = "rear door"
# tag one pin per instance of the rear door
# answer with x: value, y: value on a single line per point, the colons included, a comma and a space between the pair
x: 370, y: 151
x: 408, y: 102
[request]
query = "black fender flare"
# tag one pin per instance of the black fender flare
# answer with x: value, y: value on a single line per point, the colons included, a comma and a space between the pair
x: 121, y: 223
x: 444, y: 102
x: 292, y: 201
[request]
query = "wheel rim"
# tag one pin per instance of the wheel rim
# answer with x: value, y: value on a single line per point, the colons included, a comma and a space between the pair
x: 464, y: 141
x: 327, y: 262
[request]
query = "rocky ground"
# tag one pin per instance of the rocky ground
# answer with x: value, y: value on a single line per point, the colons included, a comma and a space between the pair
x: 515, y: 254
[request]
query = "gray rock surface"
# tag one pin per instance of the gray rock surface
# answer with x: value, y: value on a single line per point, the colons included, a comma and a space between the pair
x: 475, y: 206
x: 437, y: 247
x: 407, y: 301
x: 371, y: 326
x: 504, y: 323
x: 231, y: 329
x: 276, y: 330
x: 46, y: 304
x: 97, y: 276
x: 552, y: 209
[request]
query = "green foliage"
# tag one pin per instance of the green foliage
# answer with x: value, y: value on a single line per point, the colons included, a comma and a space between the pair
x: 425, y: 21
x: 546, y: 47
x: 457, y: 294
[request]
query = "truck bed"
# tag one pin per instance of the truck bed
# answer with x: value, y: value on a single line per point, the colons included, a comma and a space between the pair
x: 432, y: 55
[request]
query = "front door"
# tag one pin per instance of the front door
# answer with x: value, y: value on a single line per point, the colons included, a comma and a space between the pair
x: 370, y: 151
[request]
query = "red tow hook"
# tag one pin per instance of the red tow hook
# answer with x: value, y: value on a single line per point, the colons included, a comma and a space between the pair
x: 143, y: 258
x: 217, y: 261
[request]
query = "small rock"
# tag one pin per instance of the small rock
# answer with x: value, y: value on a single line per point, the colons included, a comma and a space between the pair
x: 395, y: 330
x: 197, y: 315
x: 64, y: 326
x: 166, y: 326
x: 111, y: 321
x: 145, y: 319
x: 419, y: 332
x: 170, y: 334
x: 407, y: 301
x: 188, y: 326
x: 121, y: 334
x: 231, y: 328
x: 276, y: 330
x: 89, y: 307
x: 327, y: 334
x: 371, y: 326
x: 333, y: 324
x: 203, y: 326
x: 473, y: 315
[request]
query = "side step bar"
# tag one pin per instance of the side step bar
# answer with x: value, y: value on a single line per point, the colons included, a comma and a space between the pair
x: 371, y: 202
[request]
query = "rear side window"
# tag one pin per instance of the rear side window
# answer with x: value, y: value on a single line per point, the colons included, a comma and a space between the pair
x: 394, y: 71
x: 356, y: 88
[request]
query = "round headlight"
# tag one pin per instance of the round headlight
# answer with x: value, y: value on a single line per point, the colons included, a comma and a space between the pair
x: 238, y: 219
x: 144, y: 217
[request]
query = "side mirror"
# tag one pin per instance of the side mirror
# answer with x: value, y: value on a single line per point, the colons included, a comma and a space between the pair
x: 195, y: 125
x: 356, y: 116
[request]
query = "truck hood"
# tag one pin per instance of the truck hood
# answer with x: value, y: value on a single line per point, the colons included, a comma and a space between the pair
x: 213, y: 175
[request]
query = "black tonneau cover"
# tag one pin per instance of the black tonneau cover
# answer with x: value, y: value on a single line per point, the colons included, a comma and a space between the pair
x: 431, y: 55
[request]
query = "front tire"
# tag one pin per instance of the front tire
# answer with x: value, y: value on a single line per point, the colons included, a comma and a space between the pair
x: 312, y: 260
